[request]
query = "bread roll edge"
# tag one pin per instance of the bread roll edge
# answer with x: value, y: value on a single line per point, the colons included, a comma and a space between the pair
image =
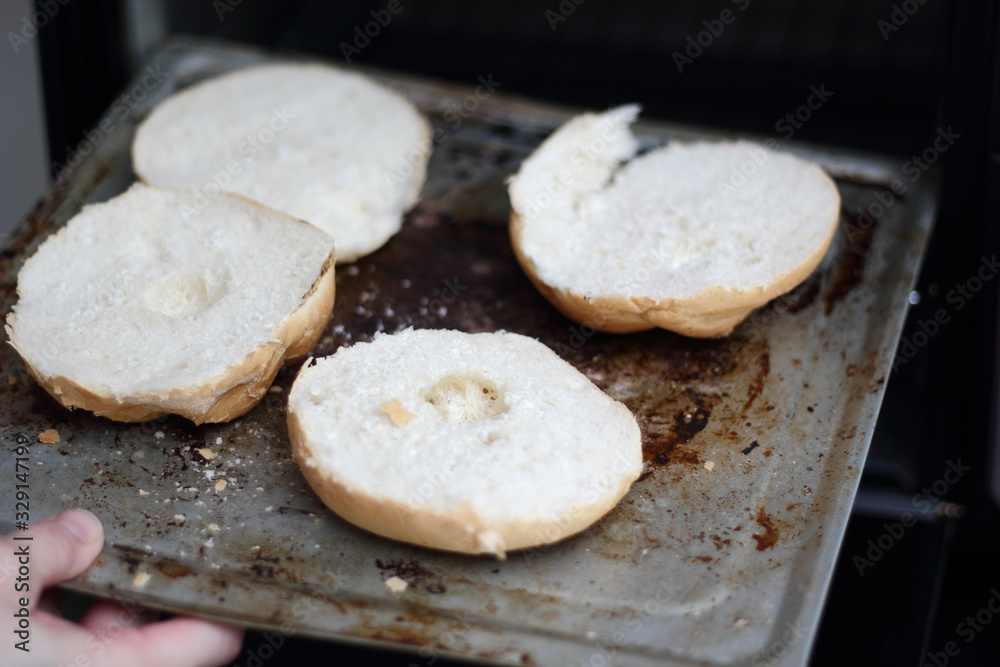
x: 226, y: 396
x: 713, y: 312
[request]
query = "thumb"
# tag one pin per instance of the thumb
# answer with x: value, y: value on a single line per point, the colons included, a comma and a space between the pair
x: 53, y: 550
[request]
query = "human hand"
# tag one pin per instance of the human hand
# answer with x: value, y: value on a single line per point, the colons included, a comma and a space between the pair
x: 109, y: 635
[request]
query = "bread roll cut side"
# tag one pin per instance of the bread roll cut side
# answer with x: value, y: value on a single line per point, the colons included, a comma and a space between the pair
x: 317, y: 142
x: 587, y: 215
x: 487, y: 486
x: 229, y: 393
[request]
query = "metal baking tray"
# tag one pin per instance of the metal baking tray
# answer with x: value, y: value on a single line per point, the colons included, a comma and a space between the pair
x: 720, y: 554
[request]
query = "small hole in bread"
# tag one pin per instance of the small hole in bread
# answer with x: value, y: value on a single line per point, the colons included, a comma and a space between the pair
x: 185, y: 293
x: 466, y: 397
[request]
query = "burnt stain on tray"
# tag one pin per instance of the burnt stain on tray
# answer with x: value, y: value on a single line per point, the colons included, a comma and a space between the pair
x: 759, y: 377
x: 850, y: 267
x: 650, y: 355
x: 804, y: 295
x: 412, y: 572
x: 769, y: 537
x: 663, y: 446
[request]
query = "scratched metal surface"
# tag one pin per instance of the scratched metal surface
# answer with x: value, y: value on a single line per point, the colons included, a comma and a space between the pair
x: 721, y: 566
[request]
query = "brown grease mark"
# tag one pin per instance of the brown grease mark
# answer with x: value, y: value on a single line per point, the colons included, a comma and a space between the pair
x: 757, y: 383
x: 770, y: 536
x: 721, y: 542
x: 850, y: 266
x: 704, y: 559
x: 174, y: 570
x: 803, y: 296
x: 663, y: 448
x: 412, y: 572
x: 753, y: 445
x: 656, y: 356
x: 767, y: 453
x: 130, y: 556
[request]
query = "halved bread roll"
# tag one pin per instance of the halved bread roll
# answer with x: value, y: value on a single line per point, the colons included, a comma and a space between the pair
x: 321, y: 144
x: 132, y: 311
x: 687, y: 237
x: 475, y: 443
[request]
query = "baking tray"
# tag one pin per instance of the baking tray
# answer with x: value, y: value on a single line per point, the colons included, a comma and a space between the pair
x: 720, y: 554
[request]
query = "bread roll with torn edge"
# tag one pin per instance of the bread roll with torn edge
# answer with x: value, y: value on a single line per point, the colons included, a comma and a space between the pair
x: 316, y: 142
x: 132, y: 312
x: 475, y: 443
x: 687, y: 237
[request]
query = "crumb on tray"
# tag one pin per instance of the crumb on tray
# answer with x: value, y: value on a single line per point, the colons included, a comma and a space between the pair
x: 396, y: 584
x: 49, y: 437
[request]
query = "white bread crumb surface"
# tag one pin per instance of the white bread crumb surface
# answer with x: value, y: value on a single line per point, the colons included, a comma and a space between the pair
x: 557, y: 458
x: 317, y: 142
x: 130, y: 299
